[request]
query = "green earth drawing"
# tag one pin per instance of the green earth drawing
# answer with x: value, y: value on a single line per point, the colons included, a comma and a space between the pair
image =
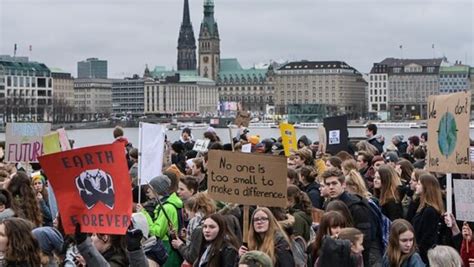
x: 447, y: 134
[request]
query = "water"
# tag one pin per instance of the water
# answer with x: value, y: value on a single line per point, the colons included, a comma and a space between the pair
x: 89, y: 137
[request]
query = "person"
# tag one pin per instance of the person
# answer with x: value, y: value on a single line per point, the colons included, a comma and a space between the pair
x: 188, y: 186
x: 356, y: 238
x: 339, y: 206
x: 121, y: 139
x: 133, y: 171
x: 303, y: 156
x: 292, y: 178
x: 299, y: 206
x: 186, y: 139
x: 6, y: 210
x: 333, y: 162
x: 309, y: 185
x: 444, y: 256
x: 266, y: 235
x: 373, y: 138
x: 51, y: 244
x: 164, y: 219
x: 38, y: 182
x: 386, y: 184
x: 24, y: 201
x: 199, y: 173
x: 413, y: 144
x: 397, y: 141
x: 411, y: 193
x: 401, y: 249
x: 467, y: 246
x: 420, y: 158
x: 363, y: 163
x: 391, y: 158
x: 220, y: 246
x: 255, y: 258
x: 303, y: 141
x: 18, y: 246
x: 358, y: 206
x: 178, y: 158
x: 355, y: 184
x: 364, y: 145
x: 428, y: 215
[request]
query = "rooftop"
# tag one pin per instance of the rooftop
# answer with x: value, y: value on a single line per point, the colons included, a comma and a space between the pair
x: 399, y: 62
x: 454, y: 69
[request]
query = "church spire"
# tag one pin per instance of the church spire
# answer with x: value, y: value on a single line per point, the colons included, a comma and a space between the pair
x: 186, y: 42
x: 209, y: 44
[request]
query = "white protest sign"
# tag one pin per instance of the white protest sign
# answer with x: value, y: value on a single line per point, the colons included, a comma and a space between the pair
x: 201, y: 145
x: 24, y: 141
x: 151, y: 148
x: 334, y: 137
x: 247, y: 148
x: 464, y: 198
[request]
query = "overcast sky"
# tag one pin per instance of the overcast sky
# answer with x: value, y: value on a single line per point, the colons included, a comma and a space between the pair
x: 132, y: 33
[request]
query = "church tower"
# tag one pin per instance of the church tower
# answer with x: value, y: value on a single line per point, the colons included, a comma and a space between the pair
x: 186, y: 42
x: 209, y: 44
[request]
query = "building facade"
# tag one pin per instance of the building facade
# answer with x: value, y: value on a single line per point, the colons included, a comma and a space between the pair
x: 209, y: 44
x: 180, y: 95
x: 92, y: 98
x: 63, y: 95
x: 333, y: 87
x: 26, y: 90
x: 92, y: 68
x: 378, y: 92
x: 186, y: 42
x: 453, y: 79
x: 127, y: 96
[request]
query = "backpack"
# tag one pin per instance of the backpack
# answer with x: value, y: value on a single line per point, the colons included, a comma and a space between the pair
x: 383, y: 223
x: 181, y: 216
x: 298, y: 247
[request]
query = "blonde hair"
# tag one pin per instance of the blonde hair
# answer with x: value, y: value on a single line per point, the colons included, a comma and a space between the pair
x: 351, y: 234
x: 356, y: 183
x: 201, y: 202
x: 266, y: 241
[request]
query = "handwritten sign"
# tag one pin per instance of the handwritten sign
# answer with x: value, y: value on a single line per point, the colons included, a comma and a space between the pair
x: 63, y: 140
x: 464, y: 198
x: 201, y: 145
x: 288, y: 137
x: 322, y: 139
x: 448, y: 128
x: 51, y: 143
x: 248, y: 179
x: 24, y: 141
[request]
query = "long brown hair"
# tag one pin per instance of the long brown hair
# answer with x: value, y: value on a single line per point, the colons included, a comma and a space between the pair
x: 407, y: 168
x: 431, y: 195
x: 390, y: 182
x: 266, y: 241
x: 24, y: 202
x: 201, y: 202
x: 224, y: 237
x: 21, y: 245
x: 394, y: 253
x: 300, y: 199
x: 328, y: 220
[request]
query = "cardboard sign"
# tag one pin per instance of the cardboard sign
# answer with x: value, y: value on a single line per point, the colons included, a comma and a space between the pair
x: 92, y: 187
x: 337, y: 134
x: 242, y: 118
x: 248, y: 179
x: 151, y: 148
x: 24, y: 141
x: 63, y: 139
x: 288, y: 138
x: 472, y: 159
x: 201, y: 145
x: 448, y: 129
x: 464, y: 199
x: 322, y: 139
x: 51, y: 143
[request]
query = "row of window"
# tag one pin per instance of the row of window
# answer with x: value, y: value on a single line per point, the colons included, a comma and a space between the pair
x: 377, y: 99
x: 378, y: 77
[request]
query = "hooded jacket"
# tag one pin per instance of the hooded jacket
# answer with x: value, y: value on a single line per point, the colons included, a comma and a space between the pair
x: 377, y: 141
x: 312, y: 190
x: 158, y: 223
x: 283, y: 254
x: 334, y: 252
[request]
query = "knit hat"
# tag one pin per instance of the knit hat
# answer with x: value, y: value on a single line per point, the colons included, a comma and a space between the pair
x: 398, y: 137
x: 160, y: 184
x: 49, y: 239
x: 304, y: 153
x: 391, y: 157
x: 174, y: 169
x: 256, y: 258
x: 139, y: 222
x: 37, y: 176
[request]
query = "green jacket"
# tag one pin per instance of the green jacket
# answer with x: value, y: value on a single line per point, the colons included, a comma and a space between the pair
x: 159, y: 224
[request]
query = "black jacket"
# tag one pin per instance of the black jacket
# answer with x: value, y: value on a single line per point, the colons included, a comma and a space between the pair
x: 401, y: 148
x: 335, y: 252
x: 393, y: 210
x: 312, y: 190
x: 228, y: 257
x: 426, y: 225
x: 377, y: 141
x: 284, y: 256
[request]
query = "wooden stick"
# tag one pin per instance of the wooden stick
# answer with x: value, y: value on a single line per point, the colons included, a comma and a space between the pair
x: 246, y: 223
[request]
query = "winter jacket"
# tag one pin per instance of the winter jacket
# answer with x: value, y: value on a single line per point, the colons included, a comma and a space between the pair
x: 45, y: 211
x: 283, y: 254
x: 401, y: 148
x: 111, y: 257
x: 188, y: 145
x: 426, y: 225
x: 334, y: 252
x: 465, y: 253
x: 377, y: 141
x: 7, y: 213
x: 228, y: 257
x: 413, y: 261
x: 302, y: 224
x: 392, y: 209
x: 312, y: 190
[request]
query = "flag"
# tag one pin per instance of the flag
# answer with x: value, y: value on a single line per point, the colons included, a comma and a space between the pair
x: 401, y: 46
x: 432, y: 46
x: 151, y: 148
x: 92, y: 187
x: 31, y: 48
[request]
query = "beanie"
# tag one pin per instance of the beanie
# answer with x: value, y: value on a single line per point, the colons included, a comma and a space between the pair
x: 398, y: 137
x: 256, y: 258
x: 160, y: 184
x: 49, y: 239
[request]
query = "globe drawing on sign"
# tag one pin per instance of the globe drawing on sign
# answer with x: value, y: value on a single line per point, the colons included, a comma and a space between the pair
x: 447, y: 134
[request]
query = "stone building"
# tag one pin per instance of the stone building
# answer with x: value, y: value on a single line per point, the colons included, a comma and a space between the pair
x: 92, y: 98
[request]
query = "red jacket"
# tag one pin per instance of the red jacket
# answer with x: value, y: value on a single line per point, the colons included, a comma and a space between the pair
x: 466, y: 253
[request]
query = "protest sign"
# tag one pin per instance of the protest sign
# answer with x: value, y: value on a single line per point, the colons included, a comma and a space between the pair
x: 248, y: 179
x: 336, y: 134
x: 63, y: 139
x: 51, y: 143
x: 242, y: 118
x: 92, y: 187
x: 472, y: 158
x: 448, y: 129
x: 322, y: 139
x: 201, y: 145
x: 24, y: 141
x: 288, y: 138
x: 464, y: 199
x: 247, y: 148
x: 151, y: 149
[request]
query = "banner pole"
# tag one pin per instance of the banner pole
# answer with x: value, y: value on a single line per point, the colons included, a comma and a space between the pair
x: 231, y: 139
x: 449, y: 193
x: 246, y: 224
x: 140, y: 137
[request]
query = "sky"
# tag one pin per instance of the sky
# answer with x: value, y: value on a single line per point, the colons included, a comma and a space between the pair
x: 133, y: 33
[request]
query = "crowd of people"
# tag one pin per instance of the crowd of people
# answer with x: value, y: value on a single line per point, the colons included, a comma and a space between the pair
x: 371, y: 205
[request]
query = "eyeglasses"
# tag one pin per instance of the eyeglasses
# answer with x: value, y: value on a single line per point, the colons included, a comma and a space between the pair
x: 260, y: 219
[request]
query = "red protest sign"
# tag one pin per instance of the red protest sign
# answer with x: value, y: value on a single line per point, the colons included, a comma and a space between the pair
x: 92, y: 187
